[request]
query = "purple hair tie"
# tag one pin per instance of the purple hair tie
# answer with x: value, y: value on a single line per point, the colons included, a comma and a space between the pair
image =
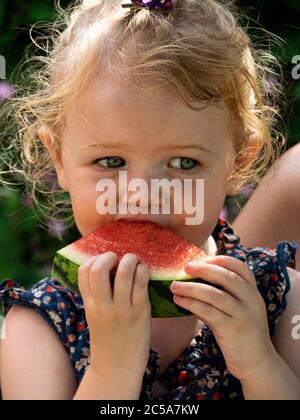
x: 152, y: 4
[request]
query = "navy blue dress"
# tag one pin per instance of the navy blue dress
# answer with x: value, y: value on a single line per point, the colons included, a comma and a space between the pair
x: 199, y: 372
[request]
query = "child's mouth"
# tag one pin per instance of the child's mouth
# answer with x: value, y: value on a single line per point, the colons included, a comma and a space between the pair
x: 159, y: 219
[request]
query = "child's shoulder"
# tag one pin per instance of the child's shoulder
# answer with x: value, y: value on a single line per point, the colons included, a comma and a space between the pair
x: 62, y: 309
x: 31, y: 353
x: 47, y: 294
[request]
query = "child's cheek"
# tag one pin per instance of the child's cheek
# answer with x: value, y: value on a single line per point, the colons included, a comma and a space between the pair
x: 84, y: 204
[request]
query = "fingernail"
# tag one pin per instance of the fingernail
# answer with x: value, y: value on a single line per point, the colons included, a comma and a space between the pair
x: 191, y: 265
x: 176, y: 285
x: 210, y: 258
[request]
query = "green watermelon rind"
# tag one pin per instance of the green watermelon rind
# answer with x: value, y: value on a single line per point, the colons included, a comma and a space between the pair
x: 65, y: 271
x: 161, y: 298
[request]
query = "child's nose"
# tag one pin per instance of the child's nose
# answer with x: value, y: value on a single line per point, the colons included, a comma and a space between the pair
x: 141, y: 195
x: 143, y: 188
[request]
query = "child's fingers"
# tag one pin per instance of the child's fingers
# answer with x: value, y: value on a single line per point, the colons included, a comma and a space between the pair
x: 124, y: 280
x: 140, y: 295
x: 208, y: 314
x: 83, y: 278
x: 99, y: 277
x: 231, y: 282
x: 208, y: 294
x: 237, y: 266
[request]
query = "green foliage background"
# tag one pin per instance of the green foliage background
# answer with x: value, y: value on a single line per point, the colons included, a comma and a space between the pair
x: 26, y: 249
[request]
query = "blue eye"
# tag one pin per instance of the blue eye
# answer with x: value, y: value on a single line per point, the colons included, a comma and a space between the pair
x: 184, y: 163
x: 111, y: 162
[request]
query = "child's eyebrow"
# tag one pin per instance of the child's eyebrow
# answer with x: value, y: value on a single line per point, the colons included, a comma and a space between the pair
x: 186, y: 146
x: 114, y: 145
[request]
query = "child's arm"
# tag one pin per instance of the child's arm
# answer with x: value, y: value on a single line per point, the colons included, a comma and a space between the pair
x: 109, y: 383
x: 119, y: 321
x: 34, y: 363
x: 238, y: 318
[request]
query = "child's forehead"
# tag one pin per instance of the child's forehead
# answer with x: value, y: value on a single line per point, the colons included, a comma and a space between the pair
x: 108, y: 94
x: 150, y: 113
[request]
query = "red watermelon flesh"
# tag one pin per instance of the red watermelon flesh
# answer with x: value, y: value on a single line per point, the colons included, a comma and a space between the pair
x: 162, y: 250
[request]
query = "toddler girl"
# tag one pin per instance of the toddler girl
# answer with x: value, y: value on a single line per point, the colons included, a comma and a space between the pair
x: 162, y: 90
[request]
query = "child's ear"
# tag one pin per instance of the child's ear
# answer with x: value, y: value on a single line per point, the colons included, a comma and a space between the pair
x: 243, y: 163
x: 46, y: 138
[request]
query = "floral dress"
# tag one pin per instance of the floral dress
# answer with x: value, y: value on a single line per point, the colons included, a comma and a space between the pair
x: 199, y: 372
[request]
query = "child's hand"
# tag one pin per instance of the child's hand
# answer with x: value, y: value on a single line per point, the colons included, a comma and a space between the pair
x: 119, y: 321
x: 236, y: 315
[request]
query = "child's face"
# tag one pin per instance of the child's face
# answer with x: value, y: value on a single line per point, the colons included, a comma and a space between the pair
x: 147, y: 137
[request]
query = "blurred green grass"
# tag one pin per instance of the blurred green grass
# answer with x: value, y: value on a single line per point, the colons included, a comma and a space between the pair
x: 26, y: 248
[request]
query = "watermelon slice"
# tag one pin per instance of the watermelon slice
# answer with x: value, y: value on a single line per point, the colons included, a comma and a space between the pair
x: 165, y: 253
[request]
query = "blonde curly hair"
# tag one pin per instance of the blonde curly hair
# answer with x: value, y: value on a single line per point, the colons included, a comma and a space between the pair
x: 201, y: 49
